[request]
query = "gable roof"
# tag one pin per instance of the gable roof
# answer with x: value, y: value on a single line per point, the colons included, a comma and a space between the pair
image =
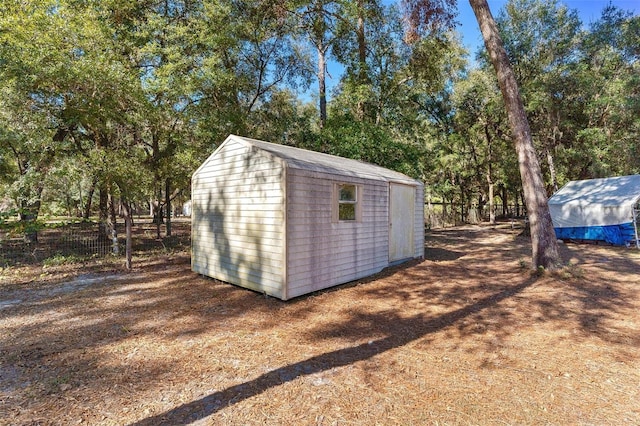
x: 613, y: 191
x: 303, y: 159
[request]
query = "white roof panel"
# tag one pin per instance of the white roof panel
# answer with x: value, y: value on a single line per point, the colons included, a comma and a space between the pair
x: 613, y: 191
x: 595, y: 202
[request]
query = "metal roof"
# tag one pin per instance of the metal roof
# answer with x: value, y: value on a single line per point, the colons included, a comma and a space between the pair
x: 325, y: 163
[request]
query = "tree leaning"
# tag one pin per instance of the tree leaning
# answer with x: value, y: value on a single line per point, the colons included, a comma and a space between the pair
x: 543, y: 240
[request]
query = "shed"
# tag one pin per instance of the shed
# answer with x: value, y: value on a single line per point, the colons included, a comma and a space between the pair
x: 286, y: 221
x: 605, y: 209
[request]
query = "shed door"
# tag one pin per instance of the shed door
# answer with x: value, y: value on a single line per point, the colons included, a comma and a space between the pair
x: 401, y: 220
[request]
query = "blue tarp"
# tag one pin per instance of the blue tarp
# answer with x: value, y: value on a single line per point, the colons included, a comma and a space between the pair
x: 613, y: 234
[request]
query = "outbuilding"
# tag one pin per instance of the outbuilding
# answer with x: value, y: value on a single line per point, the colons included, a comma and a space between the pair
x: 606, y: 209
x: 286, y: 221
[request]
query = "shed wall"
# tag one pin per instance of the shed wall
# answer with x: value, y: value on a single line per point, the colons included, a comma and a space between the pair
x: 323, y: 253
x: 237, y: 218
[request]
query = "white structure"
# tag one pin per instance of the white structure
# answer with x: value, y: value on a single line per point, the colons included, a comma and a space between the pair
x: 186, y: 208
x: 287, y: 221
x: 598, y: 209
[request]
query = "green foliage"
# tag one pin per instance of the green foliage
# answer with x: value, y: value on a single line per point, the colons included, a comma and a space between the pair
x: 579, y: 87
x: 125, y: 96
x: 6, y: 217
x: 15, y: 228
x: 347, y: 137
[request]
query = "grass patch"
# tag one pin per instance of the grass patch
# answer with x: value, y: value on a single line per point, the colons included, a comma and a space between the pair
x: 61, y: 259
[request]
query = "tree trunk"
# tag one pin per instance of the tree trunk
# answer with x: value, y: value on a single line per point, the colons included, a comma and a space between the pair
x: 87, y: 206
x: 128, y: 224
x: 158, y: 216
x: 167, y: 204
x: 543, y: 240
x: 552, y: 143
x: 113, y: 223
x: 103, y: 215
x: 552, y: 170
x: 492, y: 208
x: 28, y: 215
x: 505, y: 201
x: 67, y: 202
x: 444, y: 212
x: 430, y: 211
x: 462, y: 201
x: 322, y: 87
x: 362, y: 55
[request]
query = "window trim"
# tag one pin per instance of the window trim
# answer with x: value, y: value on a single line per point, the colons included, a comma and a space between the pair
x: 336, y: 202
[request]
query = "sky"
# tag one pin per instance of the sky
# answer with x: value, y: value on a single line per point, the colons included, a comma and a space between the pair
x: 588, y: 11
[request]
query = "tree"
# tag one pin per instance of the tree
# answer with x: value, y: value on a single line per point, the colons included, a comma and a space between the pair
x: 348, y: 137
x: 544, y: 244
x: 28, y: 156
x: 317, y: 21
x: 608, y: 83
x: 42, y: 68
x: 541, y: 37
x: 480, y: 127
x: 543, y: 240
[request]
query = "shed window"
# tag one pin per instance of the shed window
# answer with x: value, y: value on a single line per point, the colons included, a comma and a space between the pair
x: 346, y: 203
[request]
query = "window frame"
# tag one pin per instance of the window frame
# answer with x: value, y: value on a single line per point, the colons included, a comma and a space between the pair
x: 357, y: 202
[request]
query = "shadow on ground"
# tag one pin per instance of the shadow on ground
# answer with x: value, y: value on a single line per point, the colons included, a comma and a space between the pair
x: 404, y: 331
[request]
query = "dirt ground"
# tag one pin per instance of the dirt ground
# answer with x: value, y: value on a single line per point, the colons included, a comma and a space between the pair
x: 467, y: 336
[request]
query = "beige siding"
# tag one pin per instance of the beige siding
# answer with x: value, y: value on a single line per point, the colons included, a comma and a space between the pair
x: 244, y: 232
x: 322, y: 253
x: 237, y: 219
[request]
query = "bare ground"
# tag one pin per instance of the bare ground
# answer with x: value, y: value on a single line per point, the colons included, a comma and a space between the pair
x: 467, y: 336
